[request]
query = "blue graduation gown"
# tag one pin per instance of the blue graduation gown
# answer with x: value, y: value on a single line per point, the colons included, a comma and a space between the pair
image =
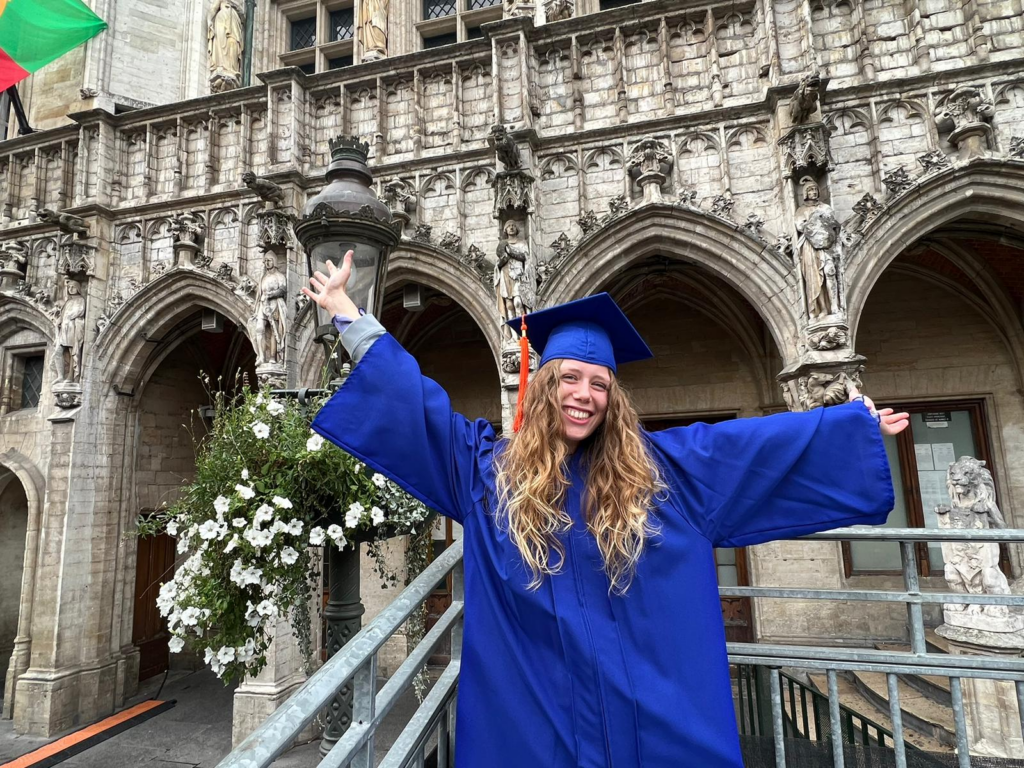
x: 569, y: 675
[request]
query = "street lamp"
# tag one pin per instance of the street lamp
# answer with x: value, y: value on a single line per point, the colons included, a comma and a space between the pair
x: 346, y: 216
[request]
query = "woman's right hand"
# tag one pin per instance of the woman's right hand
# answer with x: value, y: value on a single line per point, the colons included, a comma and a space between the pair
x: 330, y: 292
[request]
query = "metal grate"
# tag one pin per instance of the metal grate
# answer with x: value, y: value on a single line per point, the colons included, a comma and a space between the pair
x: 343, y: 24
x: 438, y: 9
x: 303, y: 33
x: 473, y: 5
x: 32, y: 382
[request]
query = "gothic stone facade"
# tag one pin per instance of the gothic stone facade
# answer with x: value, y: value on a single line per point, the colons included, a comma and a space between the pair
x: 785, y: 197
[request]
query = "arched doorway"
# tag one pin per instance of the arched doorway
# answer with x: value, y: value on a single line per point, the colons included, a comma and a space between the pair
x: 13, y: 530
x: 168, y: 425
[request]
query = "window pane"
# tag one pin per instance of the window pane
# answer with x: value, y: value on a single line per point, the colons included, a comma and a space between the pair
x: 338, y: 63
x: 877, y: 555
x: 728, y: 575
x: 439, y: 40
x: 303, y: 33
x: 940, y: 438
x: 473, y: 5
x: 474, y: 33
x: 436, y: 9
x: 32, y: 382
x: 343, y: 24
x: 607, y: 5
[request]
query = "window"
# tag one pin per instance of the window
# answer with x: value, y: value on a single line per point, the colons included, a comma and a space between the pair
x: 607, y: 5
x: 437, y: 9
x: 919, y: 457
x: 437, y: 41
x: 343, y: 25
x: 303, y: 33
x: 474, y: 33
x: 31, y: 381
x: 339, y: 62
x: 473, y: 5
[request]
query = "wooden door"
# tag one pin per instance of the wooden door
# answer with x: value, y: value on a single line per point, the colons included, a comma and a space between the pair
x: 731, y: 564
x: 154, y: 565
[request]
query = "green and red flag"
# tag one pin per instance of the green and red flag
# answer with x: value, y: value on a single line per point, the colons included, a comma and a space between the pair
x: 35, y: 32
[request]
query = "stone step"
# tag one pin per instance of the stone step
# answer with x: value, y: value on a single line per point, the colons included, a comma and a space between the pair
x: 851, y: 698
x: 935, y: 687
x: 920, y: 712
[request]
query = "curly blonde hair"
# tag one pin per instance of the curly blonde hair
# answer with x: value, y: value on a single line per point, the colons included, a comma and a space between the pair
x: 532, y: 483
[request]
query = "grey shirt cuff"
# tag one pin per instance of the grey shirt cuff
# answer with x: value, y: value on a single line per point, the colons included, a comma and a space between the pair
x: 360, y: 335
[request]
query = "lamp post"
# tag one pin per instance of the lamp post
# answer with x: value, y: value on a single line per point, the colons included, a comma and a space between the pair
x: 346, y: 216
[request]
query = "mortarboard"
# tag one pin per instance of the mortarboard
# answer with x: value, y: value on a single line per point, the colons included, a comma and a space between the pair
x: 591, y: 330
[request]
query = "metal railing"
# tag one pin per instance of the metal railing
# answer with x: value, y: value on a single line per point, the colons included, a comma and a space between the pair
x: 434, y: 721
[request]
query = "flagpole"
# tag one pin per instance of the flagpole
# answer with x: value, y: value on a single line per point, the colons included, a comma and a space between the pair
x: 24, y: 129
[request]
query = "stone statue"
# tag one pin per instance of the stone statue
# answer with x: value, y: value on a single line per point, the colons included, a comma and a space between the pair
x: 269, y: 313
x: 224, y: 43
x: 512, y: 279
x: 373, y: 29
x: 973, y: 567
x: 71, y: 334
x: 505, y: 147
x: 265, y: 189
x: 820, y: 254
x: 805, y: 99
x: 68, y: 223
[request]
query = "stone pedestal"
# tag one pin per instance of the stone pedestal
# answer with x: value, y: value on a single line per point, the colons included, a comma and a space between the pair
x: 990, y: 706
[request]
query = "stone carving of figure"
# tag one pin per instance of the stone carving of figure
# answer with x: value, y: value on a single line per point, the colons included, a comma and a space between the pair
x: 973, y: 567
x: 373, y: 28
x: 820, y: 254
x: 511, y: 278
x: 71, y: 334
x: 269, y: 313
x: 224, y: 43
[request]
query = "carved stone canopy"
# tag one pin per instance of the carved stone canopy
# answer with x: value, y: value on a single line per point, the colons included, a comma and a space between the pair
x: 76, y: 259
x: 274, y: 227
x: 806, y: 148
x: 513, y: 193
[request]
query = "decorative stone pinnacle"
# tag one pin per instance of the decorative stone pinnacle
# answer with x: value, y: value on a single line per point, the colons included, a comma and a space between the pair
x: 349, y: 148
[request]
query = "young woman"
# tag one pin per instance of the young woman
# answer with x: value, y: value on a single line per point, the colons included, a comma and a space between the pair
x: 593, y: 630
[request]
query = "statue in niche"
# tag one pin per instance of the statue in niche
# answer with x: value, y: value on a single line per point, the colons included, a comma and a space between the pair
x: 71, y: 334
x: 512, y: 279
x: 269, y: 313
x: 224, y: 43
x: 820, y: 254
x: 973, y: 567
x: 373, y: 29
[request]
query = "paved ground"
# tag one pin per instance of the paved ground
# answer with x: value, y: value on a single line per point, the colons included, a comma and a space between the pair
x: 195, y: 733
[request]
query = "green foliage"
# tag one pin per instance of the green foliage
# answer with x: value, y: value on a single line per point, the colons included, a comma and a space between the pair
x: 267, y: 493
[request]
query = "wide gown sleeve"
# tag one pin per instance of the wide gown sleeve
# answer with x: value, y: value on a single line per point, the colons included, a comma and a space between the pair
x: 401, y: 424
x: 754, y: 480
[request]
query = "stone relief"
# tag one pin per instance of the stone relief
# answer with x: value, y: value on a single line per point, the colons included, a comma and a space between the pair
x: 967, y: 116
x: 868, y: 209
x: 557, y: 10
x: 423, y: 233
x: 897, y: 181
x: 649, y: 165
x: 451, y: 241
x: 820, y: 389
x: 973, y: 567
x: 188, y: 232
x: 721, y: 206
x: 1017, y: 147
x: 934, y: 161
x: 617, y: 206
x: 820, y: 255
x: 588, y: 223
x: 13, y: 264
x: 225, y: 40
x: 512, y: 280
x: 269, y: 316
x: 373, y: 29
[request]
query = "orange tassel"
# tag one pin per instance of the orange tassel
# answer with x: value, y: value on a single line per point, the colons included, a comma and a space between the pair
x: 524, y: 376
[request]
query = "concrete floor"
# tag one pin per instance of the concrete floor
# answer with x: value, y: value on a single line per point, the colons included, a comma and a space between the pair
x: 195, y: 733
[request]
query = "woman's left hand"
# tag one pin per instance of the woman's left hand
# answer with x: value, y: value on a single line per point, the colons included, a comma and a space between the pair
x: 889, y: 422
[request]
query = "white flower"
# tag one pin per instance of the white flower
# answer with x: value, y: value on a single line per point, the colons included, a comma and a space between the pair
x: 245, y: 491
x: 275, y: 408
x: 359, y: 466
x: 209, y: 530
x: 182, y: 545
x: 354, y: 514
x: 251, y: 617
x: 190, y: 617
x: 172, y: 528
x: 315, y: 443
x: 282, y: 502
x: 316, y: 536
x: 264, y: 514
x: 244, y: 653
x: 337, y: 535
x: 266, y: 608
x: 226, y: 654
x: 279, y: 526
x: 378, y: 479
x: 222, y: 504
x: 259, y: 399
x: 289, y: 556
x: 245, y: 474
x: 231, y: 544
x: 261, y: 430
x: 239, y: 522
x: 258, y: 538
x: 295, y: 527
x: 377, y: 515
x: 175, y: 644
x: 165, y: 601
x: 270, y: 589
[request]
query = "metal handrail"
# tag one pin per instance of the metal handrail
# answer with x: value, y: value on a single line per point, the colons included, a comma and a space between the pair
x: 435, y: 716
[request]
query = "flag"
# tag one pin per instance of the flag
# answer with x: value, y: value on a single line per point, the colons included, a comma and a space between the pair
x: 35, y: 32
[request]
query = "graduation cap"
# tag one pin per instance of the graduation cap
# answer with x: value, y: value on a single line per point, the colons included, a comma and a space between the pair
x: 591, y: 330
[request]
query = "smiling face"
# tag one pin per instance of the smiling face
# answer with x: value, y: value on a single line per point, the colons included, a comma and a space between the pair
x: 583, y: 395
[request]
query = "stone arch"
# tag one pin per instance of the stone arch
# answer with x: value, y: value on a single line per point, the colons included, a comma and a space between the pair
x: 985, y: 190
x: 17, y: 315
x: 145, y: 319
x: 14, y: 464
x: 760, y: 275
